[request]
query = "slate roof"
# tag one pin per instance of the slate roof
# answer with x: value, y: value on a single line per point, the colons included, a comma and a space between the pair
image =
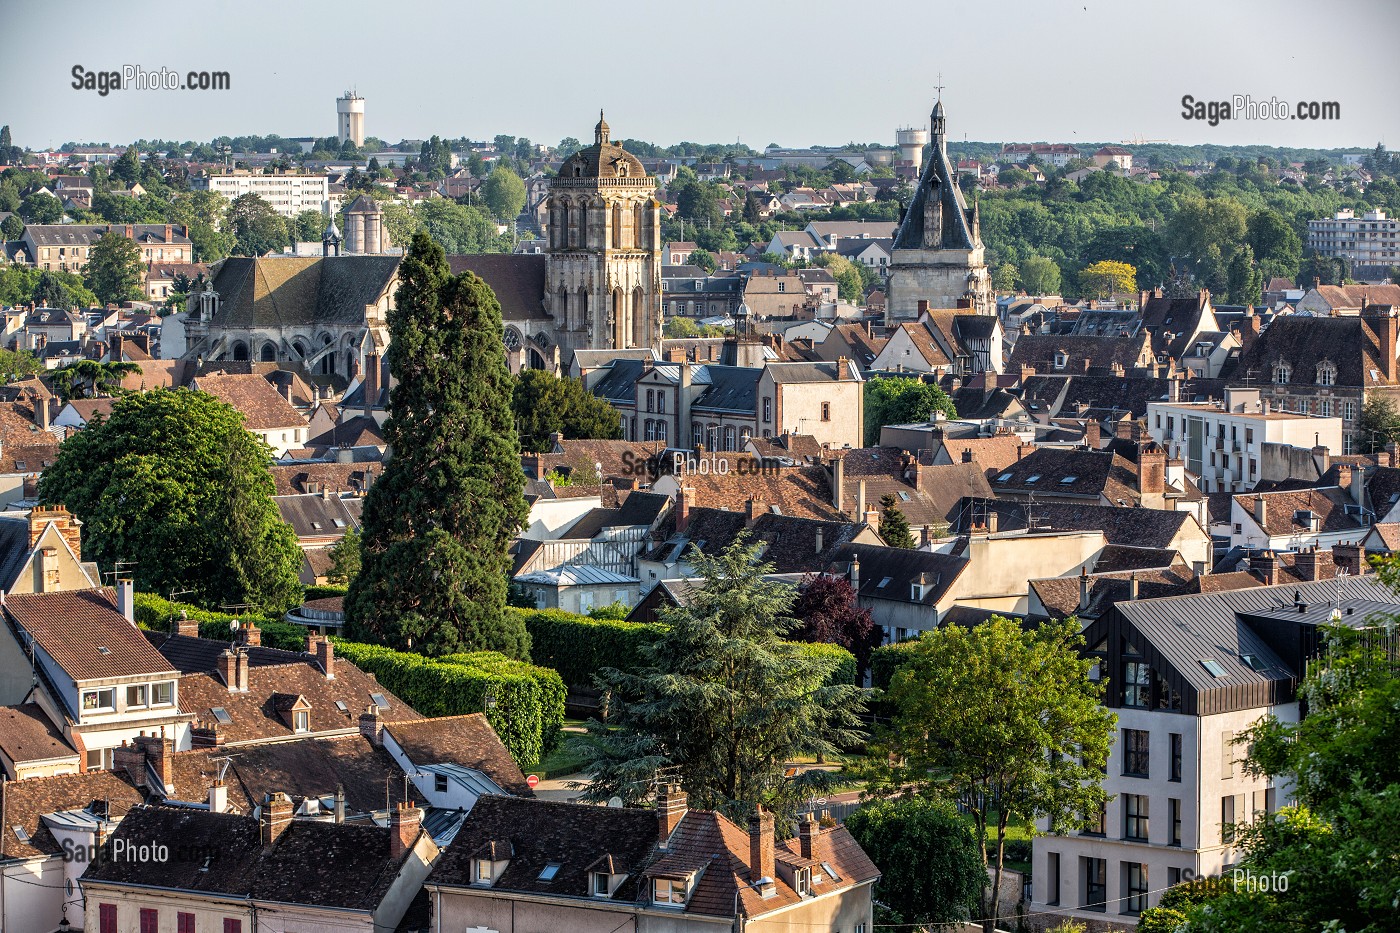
x: 1060, y: 595
x: 286, y: 291
x: 732, y: 389
x: 85, y: 634
x: 1328, y: 504
x: 468, y: 741
x: 87, y: 234
x: 518, y: 281
x: 293, y: 479
x: 1152, y: 528
x: 889, y: 572
x: 340, y: 865
x: 315, y: 516
x: 1304, y: 342
x: 1039, y: 351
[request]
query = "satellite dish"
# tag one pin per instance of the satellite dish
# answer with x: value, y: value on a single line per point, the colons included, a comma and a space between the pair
x: 233, y: 626
x: 615, y: 802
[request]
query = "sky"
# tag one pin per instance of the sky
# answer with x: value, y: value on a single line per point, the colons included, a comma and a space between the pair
x: 792, y: 72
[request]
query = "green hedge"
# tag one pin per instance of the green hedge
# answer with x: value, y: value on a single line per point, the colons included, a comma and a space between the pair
x: 529, y: 701
x: 886, y: 659
x: 845, y: 670
x: 323, y: 592
x: 155, y: 612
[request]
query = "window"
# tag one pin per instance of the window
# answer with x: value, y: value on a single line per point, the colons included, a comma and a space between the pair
x: 95, y: 701
x: 651, y: 400
x: 1326, y: 373
x: 1325, y: 408
x: 233, y: 925
x: 1282, y: 373
x: 826, y: 411
x: 136, y: 695
x: 99, y: 759
x: 1095, y: 874
x: 661, y: 403
x: 1098, y: 823
x: 1174, y: 817
x: 221, y: 715
x: 302, y: 721
x: 767, y: 410
x: 602, y: 884
x: 484, y: 870
x: 548, y: 872
x: 440, y: 783
x: 1349, y: 411
x: 668, y: 892
x: 1052, y: 878
x: 184, y: 922
x: 150, y: 920
x: 1227, y: 819
x: 107, y: 918
x: 1227, y: 754
x: 1176, y: 757
x: 1137, y: 684
x: 1303, y: 406
x: 1135, y: 817
x: 1061, y: 360
x: 1136, y: 744
x: 1135, y: 888
x: 1173, y: 877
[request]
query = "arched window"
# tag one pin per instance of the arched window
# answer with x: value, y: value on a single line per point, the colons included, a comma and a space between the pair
x: 240, y: 351
x: 1283, y: 373
x: 269, y: 353
x: 1326, y: 373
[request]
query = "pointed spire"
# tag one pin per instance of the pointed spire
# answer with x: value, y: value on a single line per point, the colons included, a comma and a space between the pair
x: 600, y: 132
x: 938, y: 124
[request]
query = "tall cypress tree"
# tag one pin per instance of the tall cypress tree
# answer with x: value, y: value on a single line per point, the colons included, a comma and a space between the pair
x: 438, y: 522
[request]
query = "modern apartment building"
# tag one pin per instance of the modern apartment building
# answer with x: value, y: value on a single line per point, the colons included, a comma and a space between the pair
x: 1373, y: 239
x: 288, y: 194
x: 1187, y: 675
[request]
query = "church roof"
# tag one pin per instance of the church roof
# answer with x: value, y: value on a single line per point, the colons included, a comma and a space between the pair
x: 603, y: 159
x: 286, y: 291
x: 518, y: 281
x: 937, y: 181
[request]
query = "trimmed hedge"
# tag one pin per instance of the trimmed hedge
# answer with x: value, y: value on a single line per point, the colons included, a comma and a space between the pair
x: 155, y: 612
x: 455, y: 686
x: 579, y: 646
x: 324, y: 592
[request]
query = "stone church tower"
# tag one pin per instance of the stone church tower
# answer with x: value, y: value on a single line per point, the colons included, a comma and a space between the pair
x: 938, y: 255
x: 603, y: 249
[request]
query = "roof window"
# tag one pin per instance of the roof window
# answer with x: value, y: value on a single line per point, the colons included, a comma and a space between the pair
x: 1215, y: 667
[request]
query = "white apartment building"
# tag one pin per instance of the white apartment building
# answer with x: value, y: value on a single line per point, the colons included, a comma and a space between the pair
x: 1186, y: 676
x: 1369, y: 240
x: 1222, y: 443
x: 289, y: 195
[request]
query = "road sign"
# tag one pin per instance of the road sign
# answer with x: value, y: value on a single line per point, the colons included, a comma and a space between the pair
x: 533, y: 780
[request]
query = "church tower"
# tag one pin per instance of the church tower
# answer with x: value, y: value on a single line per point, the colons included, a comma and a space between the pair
x: 603, y: 248
x: 938, y: 254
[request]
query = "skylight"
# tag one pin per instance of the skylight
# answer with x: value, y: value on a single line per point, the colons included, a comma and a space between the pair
x: 21, y: 833
x: 1254, y: 662
x: 1003, y: 477
x: 1215, y: 667
x: 221, y: 715
x: 884, y: 582
x: 1067, y: 480
x: 340, y: 705
x: 549, y: 871
x: 830, y: 872
x: 904, y: 495
x: 380, y: 700
x: 1032, y: 478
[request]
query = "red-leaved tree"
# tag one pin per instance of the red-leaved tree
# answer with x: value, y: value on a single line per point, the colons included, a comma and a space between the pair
x: 830, y: 612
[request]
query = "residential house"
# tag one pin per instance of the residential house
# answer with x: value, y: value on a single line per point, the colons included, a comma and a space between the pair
x: 266, y: 412
x: 319, y: 520
x: 66, y: 247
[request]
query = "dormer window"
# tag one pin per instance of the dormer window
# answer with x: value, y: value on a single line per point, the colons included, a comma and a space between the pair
x: 485, y: 871
x: 668, y: 892
x: 1326, y: 373
x: 1283, y: 374
x: 802, y: 882
x: 302, y: 720
x: 602, y: 884
x: 1061, y: 360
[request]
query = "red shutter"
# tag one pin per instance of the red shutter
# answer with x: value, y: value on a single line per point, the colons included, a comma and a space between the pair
x: 233, y: 925
x: 150, y: 920
x: 107, y: 918
x: 184, y: 922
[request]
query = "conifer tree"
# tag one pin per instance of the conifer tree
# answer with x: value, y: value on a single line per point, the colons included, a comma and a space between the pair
x: 894, y: 527
x: 438, y: 522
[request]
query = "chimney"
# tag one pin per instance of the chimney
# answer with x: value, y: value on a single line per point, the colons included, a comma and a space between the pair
x: 184, y: 625
x: 762, y: 856
x: 1349, y: 557
x: 685, y: 501
x: 371, y: 726
x: 48, y: 570
x: 126, y: 600
x: 860, y: 501
x: 838, y: 483
x: 168, y: 231
x: 855, y: 574
x: 807, y: 832
x: 1152, y: 470
x: 819, y: 540
x: 925, y: 536
x: 371, y: 383
x: 1123, y: 430
x: 1083, y: 588
x: 1322, y: 459
x: 1265, y: 564
x: 67, y: 526
x: 1381, y: 321
x: 967, y: 455
x: 275, y: 817
x: 923, y: 307
x: 218, y: 797
x: 1305, y: 564
x: 42, y: 414
x: 1093, y: 435
x: 752, y: 510
x: 130, y: 232
x: 325, y: 657
x: 1261, y: 511
x: 242, y: 673
x: 340, y: 803
x: 205, y: 735
x: 228, y: 670
x: 1132, y: 587
x: 285, y: 388
x: 670, y: 808
x: 132, y: 760
x: 405, y: 825
x: 249, y: 635
x: 842, y: 369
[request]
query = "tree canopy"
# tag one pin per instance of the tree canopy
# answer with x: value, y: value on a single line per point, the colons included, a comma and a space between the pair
x: 504, y: 194
x: 256, y: 228
x: 114, y: 269
x: 177, y: 490
x: 901, y: 401
x: 545, y: 403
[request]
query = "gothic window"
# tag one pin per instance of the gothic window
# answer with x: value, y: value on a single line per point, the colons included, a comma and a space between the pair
x: 1283, y: 373
x: 240, y: 351
x: 269, y: 353
x: 1326, y: 373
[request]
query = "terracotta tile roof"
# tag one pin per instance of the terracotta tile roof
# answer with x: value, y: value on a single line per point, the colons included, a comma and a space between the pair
x: 931, y: 499
x: 1328, y: 504
x: 85, y: 634
x: 27, y: 734
x: 297, y: 478
x: 803, y: 491
x: 924, y: 343
x: 468, y: 741
x: 1059, y: 471
x: 262, y: 406
x: 17, y: 427
x: 1389, y: 534
x: 26, y: 802
x: 1358, y: 296
x: 793, y: 446
x: 618, y: 458
x: 27, y: 459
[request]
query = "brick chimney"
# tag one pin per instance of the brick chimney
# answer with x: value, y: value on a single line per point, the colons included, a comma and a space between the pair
x: 184, y: 625
x: 807, y: 832
x: 206, y: 735
x: 1093, y: 438
x: 371, y: 726
x: 405, y: 824
x: 1381, y: 322
x: 1305, y: 564
x: 1350, y: 557
x: 233, y: 668
x: 1265, y: 564
x: 325, y: 657
x: 1152, y: 470
x: 762, y: 854
x: 160, y: 755
x: 671, y: 804
x: 168, y: 232
x: 63, y: 521
x: 132, y: 760
x: 685, y: 501
x: 752, y: 510
x: 249, y: 634
x: 275, y: 817
x: 838, y: 483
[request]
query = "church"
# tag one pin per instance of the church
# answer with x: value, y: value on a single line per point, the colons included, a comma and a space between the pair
x: 596, y: 286
x: 937, y: 253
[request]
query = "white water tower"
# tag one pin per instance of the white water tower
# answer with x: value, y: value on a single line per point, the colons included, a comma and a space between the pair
x: 350, y: 118
x: 911, y: 141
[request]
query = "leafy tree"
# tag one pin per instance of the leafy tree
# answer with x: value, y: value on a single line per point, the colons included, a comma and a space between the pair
x: 544, y: 403
x: 850, y: 284
x: 457, y: 227
x: 969, y: 726
x: 901, y: 401
x: 724, y: 699
x: 1379, y: 423
x: 1004, y: 278
x: 1106, y: 278
x: 91, y: 379
x: 257, y: 229
x: 308, y: 226
x: 703, y: 259
x: 345, y: 558
x: 1245, y: 283
x: 894, y: 527
x: 567, y: 147
x: 114, y: 269
x: 18, y: 364
x: 504, y: 194
x: 438, y: 522
x: 930, y: 864
x: 1040, y: 276
x: 830, y: 612
x: 678, y: 328
x: 12, y: 228
x: 41, y: 208
x: 173, y: 485
x: 127, y: 169
x: 1275, y: 243
x: 51, y: 292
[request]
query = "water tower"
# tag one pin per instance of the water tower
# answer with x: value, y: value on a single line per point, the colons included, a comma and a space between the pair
x: 911, y: 141
x: 350, y: 118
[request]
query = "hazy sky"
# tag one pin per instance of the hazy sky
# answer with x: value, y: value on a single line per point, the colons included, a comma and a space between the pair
x: 795, y: 72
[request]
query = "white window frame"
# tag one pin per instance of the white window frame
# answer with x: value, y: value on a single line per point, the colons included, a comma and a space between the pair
x: 110, y: 707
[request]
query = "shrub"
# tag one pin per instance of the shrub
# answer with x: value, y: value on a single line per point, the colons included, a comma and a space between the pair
x: 323, y: 592
x: 155, y: 612
x: 884, y: 661
x: 844, y: 669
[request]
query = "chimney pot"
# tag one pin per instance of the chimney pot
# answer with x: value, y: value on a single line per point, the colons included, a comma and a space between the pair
x: 275, y: 817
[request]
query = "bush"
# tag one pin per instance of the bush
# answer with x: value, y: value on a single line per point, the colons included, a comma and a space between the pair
x: 324, y: 592
x: 155, y: 612
x: 844, y: 671
x: 885, y: 660
x: 458, y: 684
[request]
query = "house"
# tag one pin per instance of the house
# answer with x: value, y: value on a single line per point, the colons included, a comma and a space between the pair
x: 1186, y: 675
x: 1114, y: 155
x: 1288, y: 520
x: 523, y: 865
x: 1050, y: 354
x: 266, y: 412
x: 41, y: 551
x: 66, y: 247
x: 944, y: 341
x: 320, y: 520
x: 80, y: 411
x: 271, y: 872
x: 1346, y: 300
